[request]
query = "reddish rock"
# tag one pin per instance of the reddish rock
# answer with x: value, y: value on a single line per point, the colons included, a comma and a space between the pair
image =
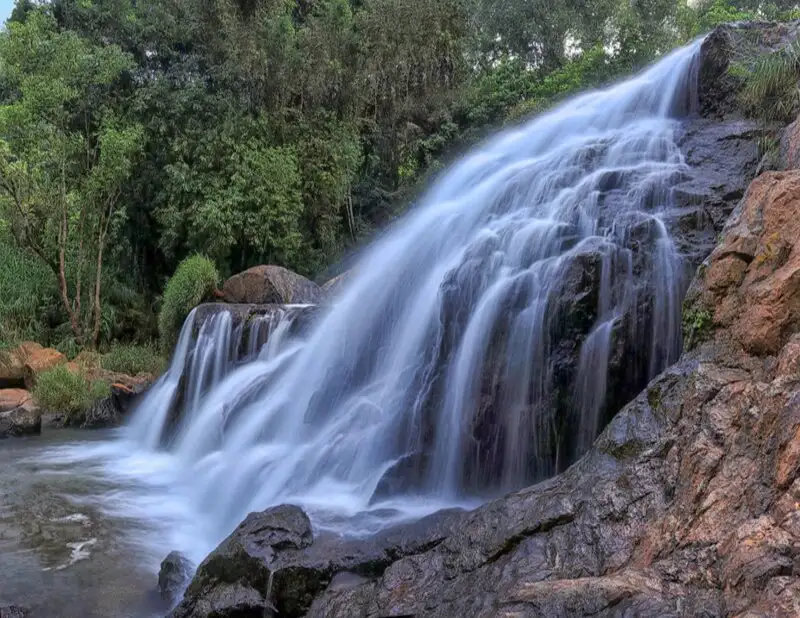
x: 40, y: 361
x: 12, y: 364
x: 752, y: 280
x: 11, y: 398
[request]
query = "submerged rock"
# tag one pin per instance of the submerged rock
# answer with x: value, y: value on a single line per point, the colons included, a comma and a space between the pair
x: 176, y: 571
x: 275, y: 285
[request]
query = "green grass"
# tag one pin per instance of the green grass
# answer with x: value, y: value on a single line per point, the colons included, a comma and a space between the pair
x: 133, y: 360
x: 60, y: 390
x: 193, y: 282
x: 770, y: 84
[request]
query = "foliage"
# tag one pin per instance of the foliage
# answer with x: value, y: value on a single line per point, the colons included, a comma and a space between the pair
x: 194, y: 280
x: 133, y: 360
x: 138, y: 132
x: 697, y: 326
x: 28, y: 296
x: 64, y: 157
x: 61, y: 390
x: 771, y: 90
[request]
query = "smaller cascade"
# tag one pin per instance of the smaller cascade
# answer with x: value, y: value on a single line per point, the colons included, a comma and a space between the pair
x: 213, y: 341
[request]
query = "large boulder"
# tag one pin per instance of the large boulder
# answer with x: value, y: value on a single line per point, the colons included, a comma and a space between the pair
x: 273, y: 565
x: 40, y: 361
x: 270, y: 285
x: 25, y: 420
x: 12, y: 364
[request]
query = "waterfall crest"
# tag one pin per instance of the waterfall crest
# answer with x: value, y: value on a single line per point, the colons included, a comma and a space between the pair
x: 479, y: 346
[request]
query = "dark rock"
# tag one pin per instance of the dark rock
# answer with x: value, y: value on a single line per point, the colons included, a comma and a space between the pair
x: 176, y: 571
x: 270, y: 285
x: 26, y: 420
x: 271, y: 563
x: 238, y: 577
x: 14, y: 611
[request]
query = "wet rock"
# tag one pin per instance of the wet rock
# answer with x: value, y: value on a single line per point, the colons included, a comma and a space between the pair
x: 272, y: 564
x: 238, y: 576
x: 176, y: 571
x: 112, y: 410
x: 12, y: 364
x: 14, y: 611
x: 270, y: 285
x: 335, y: 285
x: 40, y: 361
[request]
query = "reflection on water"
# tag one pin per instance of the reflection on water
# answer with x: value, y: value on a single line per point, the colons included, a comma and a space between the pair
x: 73, y: 539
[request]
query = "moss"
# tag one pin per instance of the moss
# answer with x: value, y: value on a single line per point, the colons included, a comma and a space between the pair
x: 698, y: 325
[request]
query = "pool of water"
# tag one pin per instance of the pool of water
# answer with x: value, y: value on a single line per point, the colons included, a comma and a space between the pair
x: 76, y: 539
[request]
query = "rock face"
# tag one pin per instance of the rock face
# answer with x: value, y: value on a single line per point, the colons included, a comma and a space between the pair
x: 12, y: 398
x: 111, y: 411
x: 687, y: 504
x: 270, y: 285
x: 176, y: 571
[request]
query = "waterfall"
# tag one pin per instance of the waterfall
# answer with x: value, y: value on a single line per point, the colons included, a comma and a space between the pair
x: 481, y: 344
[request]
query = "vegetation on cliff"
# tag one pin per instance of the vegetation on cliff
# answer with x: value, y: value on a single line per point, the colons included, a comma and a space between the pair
x: 134, y: 134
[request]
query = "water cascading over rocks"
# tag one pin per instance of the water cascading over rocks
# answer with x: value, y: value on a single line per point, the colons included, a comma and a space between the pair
x: 481, y: 345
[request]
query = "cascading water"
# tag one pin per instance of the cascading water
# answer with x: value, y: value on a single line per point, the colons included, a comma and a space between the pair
x: 479, y: 346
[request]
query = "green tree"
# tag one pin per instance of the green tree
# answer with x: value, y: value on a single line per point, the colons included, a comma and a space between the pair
x: 64, y: 157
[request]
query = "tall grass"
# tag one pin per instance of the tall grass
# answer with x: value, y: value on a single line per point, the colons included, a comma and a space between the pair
x: 61, y: 390
x: 770, y: 91
x: 133, y: 360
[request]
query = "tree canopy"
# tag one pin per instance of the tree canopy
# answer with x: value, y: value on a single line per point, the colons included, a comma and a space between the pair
x: 134, y: 133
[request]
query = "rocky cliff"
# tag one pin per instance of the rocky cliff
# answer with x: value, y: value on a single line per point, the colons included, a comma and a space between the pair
x: 687, y: 505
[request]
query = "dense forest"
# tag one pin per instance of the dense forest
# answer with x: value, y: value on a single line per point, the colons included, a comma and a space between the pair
x: 135, y: 133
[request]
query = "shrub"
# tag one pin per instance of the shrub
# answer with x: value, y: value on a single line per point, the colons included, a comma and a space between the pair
x: 61, y: 390
x: 193, y: 281
x: 133, y: 360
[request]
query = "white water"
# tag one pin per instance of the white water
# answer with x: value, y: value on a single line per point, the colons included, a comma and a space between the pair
x: 395, y: 373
